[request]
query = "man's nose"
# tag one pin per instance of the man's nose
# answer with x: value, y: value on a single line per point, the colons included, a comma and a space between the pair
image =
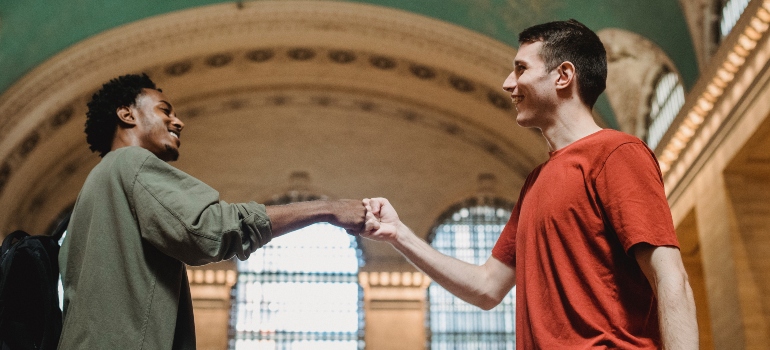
x: 510, y: 83
x: 178, y: 123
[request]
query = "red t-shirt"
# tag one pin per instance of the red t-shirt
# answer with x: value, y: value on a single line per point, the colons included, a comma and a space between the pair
x: 569, y: 237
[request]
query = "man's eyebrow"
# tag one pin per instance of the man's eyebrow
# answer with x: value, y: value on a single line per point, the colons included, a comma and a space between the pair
x: 167, y: 103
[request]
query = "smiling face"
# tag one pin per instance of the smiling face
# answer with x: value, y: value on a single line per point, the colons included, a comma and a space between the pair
x: 532, y: 88
x: 158, y: 128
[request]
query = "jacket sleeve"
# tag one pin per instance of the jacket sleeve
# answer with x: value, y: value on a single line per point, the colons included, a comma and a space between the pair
x: 185, y: 219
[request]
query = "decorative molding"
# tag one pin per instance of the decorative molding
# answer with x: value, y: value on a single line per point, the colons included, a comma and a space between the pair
x: 218, y: 36
x: 220, y: 26
x: 634, y: 63
x: 356, y: 59
x: 741, y: 56
x: 394, y: 290
x: 212, y: 277
x: 393, y: 279
x: 371, y: 103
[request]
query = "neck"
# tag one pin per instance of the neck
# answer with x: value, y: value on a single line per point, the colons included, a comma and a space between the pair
x: 570, y: 123
x: 124, y: 138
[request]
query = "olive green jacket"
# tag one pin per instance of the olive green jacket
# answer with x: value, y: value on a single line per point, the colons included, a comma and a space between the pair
x: 136, y: 223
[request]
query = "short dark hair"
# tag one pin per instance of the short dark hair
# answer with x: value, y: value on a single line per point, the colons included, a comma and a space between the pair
x: 574, y: 42
x: 102, y: 119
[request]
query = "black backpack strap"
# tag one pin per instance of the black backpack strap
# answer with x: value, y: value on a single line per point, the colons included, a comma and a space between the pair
x: 48, y: 267
x: 40, y: 261
x: 61, y: 228
x: 8, y: 241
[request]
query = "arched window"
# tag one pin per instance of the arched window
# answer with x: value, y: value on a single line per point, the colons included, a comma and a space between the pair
x: 300, y: 291
x: 730, y: 12
x: 468, y: 231
x: 667, y: 100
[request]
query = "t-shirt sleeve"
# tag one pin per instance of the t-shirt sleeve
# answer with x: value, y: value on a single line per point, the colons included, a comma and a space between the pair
x: 185, y: 219
x: 630, y: 188
x: 505, y: 248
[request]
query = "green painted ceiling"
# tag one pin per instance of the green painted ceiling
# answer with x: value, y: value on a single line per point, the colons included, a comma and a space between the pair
x: 32, y: 31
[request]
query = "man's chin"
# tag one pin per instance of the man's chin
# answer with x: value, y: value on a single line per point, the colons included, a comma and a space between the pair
x: 171, y: 154
x: 523, y: 120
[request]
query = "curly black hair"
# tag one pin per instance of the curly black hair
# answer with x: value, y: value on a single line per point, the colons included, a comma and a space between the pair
x: 102, y: 119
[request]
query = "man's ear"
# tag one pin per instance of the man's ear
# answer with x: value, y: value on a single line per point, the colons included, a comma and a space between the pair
x: 126, y: 116
x: 566, y: 77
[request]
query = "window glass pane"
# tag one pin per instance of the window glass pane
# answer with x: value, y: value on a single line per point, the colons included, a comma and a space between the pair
x: 300, y: 291
x: 667, y: 100
x: 731, y: 12
x: 469, y: 233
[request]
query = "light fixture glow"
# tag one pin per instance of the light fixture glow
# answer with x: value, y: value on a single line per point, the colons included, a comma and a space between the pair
x: 714, y: 90
x: 725, y: 75
x: 763, y: 15
x: 735, y: 59
x: 759, y: 25
x: 695, y: 118
x: 678, y: 144
x: 705, y: 104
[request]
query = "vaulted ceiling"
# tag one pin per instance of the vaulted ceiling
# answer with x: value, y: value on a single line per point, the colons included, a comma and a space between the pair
x: 399, y: 99
x: 35, y: 30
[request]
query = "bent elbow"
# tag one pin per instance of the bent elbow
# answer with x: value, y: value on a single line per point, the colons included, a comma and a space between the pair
x: 488, y: 302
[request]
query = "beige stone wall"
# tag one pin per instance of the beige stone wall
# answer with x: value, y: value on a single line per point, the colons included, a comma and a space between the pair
x: 210, y: 288
x: 726, y: 191
x: 395, y: 306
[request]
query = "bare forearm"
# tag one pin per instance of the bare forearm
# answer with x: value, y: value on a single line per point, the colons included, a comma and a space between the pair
x: 676, y: 314
x: 467, y: 281
x: 294, y: 216
x: 345, y: 213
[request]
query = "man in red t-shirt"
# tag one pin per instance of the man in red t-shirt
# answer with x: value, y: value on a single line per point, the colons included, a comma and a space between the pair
x: 590, y: 243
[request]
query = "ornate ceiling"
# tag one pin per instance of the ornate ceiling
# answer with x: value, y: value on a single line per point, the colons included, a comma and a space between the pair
x: 34, y: 31
x: 367, y: 100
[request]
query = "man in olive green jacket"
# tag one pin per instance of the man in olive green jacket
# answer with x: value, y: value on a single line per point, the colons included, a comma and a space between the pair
x: 137, y: 222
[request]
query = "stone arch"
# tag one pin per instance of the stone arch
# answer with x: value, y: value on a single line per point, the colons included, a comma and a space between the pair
x: 372, y: 101
x: 634, y: 65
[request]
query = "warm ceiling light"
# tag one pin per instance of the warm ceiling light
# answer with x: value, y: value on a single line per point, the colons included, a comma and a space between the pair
x: 686, y: 131
x: 719, y: 82
x: 735, y: 59
x: 695, y: 118
x: 678, y: 143
x: 763, y: 15
x: 730, y: 67
x: 669, y: 154
x: 725, y: 75
x: 714, y: 90
x: 746, y: 43
x: 752, y: 33
x: 705, y: 105
x: 759, y: 25
x: 681, y: 136
x: 739, y: 49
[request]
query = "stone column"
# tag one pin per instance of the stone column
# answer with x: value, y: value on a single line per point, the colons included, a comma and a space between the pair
x: 395, y: 306
x: 210, y: 287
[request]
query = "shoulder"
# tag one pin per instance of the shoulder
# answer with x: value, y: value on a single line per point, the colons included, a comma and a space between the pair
x: 628, y: 154
x: 610, y: 143
x: 128, y: 162
x: 130, y: 157
x: 612, y: 139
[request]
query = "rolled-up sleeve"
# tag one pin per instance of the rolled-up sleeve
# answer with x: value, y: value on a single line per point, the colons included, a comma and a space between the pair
x: 185, y: 219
